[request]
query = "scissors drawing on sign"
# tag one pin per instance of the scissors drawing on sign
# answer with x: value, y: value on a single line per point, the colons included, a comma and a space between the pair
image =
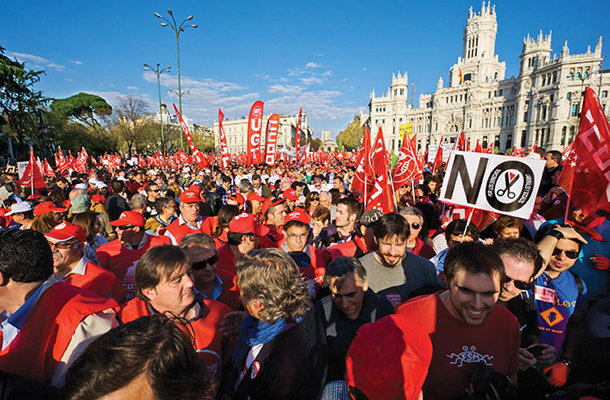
x: 506, y: 190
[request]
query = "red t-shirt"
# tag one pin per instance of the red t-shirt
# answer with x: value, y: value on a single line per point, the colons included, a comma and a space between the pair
x: 122, y: 261
x: 458, y: 346
x: 226, y: 259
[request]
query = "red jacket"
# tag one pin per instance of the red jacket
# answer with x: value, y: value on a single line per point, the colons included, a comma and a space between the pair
x: 44, y: 336
x: 97, y: 280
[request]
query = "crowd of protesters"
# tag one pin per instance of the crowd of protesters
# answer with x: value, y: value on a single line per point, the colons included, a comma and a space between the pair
x: 277, y: 283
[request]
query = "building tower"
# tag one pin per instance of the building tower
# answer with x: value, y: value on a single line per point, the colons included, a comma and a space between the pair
x: 400, y: 86
x: 535, y: 53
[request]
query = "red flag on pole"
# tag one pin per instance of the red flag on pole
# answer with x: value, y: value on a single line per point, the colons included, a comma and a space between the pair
x: 255, y: 125
x: 32, y: 175
x: 360, y: 176
x: 298, y: 135
x: 586, y: 172
x: 381, y: 194
x: 460, y: 144
x: 478, y: 148
x: 185, y: 129
x: 407, y: 166
x: 224, y: 152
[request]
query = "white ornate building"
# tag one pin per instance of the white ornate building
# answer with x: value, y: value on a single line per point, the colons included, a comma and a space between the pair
x: 236, y: 131
x: 328, y: 143
x: 541, y: 105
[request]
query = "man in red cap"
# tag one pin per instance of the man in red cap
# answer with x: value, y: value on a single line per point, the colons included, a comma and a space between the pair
x: 164, y: 284
x: 253, y: 204
x: 310, y: 260
x: 464, y: 323
x: 236, y: 200
x: 291, y: 198
x: 274, y: 212
x: 388, y: 360
x: 44, y: 324
x: 121, y: 255
x: 244, y: 235
x: 67, y: 242
x: 189, y: 220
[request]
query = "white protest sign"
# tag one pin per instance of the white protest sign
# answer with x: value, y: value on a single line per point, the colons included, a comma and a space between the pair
x: 21, y: 166
x: 501, y: 184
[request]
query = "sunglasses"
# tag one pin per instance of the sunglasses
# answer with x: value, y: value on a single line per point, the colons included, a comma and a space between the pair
x: 204, y: 263
x: 415, y: 226
x: 125, y: 227
x: 315, y: 199
x: 157, y: 190
x: 571, y: 254
x: 61, y: 245
x: 520, y: 284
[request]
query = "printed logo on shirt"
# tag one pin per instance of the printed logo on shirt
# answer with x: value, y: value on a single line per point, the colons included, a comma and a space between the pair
x: 470, y: 356
x: 394, y: 298
x: 544, y: 294
x: 552, y: 316
x: 256, y: 367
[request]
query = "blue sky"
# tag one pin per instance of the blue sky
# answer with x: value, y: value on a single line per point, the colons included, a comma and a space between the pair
x: 324, y: 56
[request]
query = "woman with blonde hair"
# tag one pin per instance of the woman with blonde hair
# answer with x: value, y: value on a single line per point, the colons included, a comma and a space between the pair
x: 281, y: 345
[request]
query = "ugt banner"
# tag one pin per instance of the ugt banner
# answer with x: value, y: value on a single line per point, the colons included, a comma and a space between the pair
x: 500, y: 184
x: 255, y: 125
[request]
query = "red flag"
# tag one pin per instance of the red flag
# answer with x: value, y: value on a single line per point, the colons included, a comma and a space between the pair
x: 62, y: 164
x: 32, y: 175
x: 407, y: 166
x: 185, y: 129
x: 586, y: 172
x: 81, y: 161
x: 460, y: 144
x: 438, y: 159
x: 478, y: 148
x: 255, y: 125
x: 224, y: 152
x: 298, y: 135
x: 48, y: 171
x: 200, y: 159
x: 381, y: 195
x: 490, y: 148
x: 535, y: 148
x: 358, y: 183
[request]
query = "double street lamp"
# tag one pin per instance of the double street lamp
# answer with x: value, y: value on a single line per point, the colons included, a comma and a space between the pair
x: 177, y: 28
x: 158, y: 71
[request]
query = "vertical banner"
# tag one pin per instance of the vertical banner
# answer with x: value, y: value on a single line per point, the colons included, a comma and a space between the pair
x: 298, y: 137
x: 185, y: 129
x: 224, y: 152
x: 273, y: 124
x: 255, y: 125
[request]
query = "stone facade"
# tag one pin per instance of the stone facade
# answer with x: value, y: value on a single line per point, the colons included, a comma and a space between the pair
x: 328, y: 143
x: 541, y: 105
x: 236, y: 131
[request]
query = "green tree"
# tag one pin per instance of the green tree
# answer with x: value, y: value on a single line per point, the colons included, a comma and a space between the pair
x: 82, y: 107
x: 351, y: 136
x: 21, y: 106
x: 316, y: 144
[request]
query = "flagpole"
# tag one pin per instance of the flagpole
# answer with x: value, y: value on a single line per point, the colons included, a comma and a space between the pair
x: 393, y: 192
x: 32, y: 165
x: 467, y: 223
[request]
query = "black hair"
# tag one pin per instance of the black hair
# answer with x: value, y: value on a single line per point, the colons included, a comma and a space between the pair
x: 25, y: 256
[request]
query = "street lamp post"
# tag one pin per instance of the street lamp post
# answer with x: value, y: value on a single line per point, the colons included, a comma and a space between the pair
x: 157, y: 71
x: 177, y: 30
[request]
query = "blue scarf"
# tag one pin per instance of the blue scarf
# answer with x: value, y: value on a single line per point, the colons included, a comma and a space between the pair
x: 254, y: 332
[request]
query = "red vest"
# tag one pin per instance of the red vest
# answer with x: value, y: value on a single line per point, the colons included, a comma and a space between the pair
x: 230, y: 291
x: 209, y: 343
x: 349, y: 248
x: 179, y: 231
x: 316, y: 271
x: 122, y: 261
x: 226, y: 259
x: 40, y: 344
x: 97, y: 280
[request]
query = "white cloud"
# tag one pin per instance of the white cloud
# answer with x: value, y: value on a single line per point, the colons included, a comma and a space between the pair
x: 132, y: 87
x: 285, y: 89
x: 265, y: 77
x: 37, y: 61
x: 76, y: 62
x: 312, y: 65
x: 311, y: 80
x: 69, y: 79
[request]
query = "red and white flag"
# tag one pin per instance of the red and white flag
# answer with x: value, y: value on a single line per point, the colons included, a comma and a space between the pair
x: 362, y: 164
x: 478, y: 148
x: 185, y: 129
x: 407, y: 166
x: 381, y: 197
x: 62, y: 164
x: 586, y: 171
x: 273, y: 124
x: 32, y: 176
x: 298, y: 136
x: 255, y: 125
x: 438, y: 159
x: 224, y: 151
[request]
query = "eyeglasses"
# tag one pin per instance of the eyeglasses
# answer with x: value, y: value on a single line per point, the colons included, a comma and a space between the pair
x: 125, y: 227
x: 61, y: 245
x: 302, y: 236
x: 204, y: 263
x: 315, y: 199
x: 156, y: 190
x: 520, y: 284
x: 572, y: 254
x: 415, y: 226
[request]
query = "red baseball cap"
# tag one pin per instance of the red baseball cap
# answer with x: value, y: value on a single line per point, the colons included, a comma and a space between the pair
x: 47, y: 207
x: 238, y: 197
x: 246, y: 223
x: 189, y: 197
x: 256, y: 197
x: 298, y: 215
x: 270, y: 202
x: 195, y: 189
x: 66, y: 231
x: 129, y: 218
x: 290, y: 194
x: 397, y: 350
